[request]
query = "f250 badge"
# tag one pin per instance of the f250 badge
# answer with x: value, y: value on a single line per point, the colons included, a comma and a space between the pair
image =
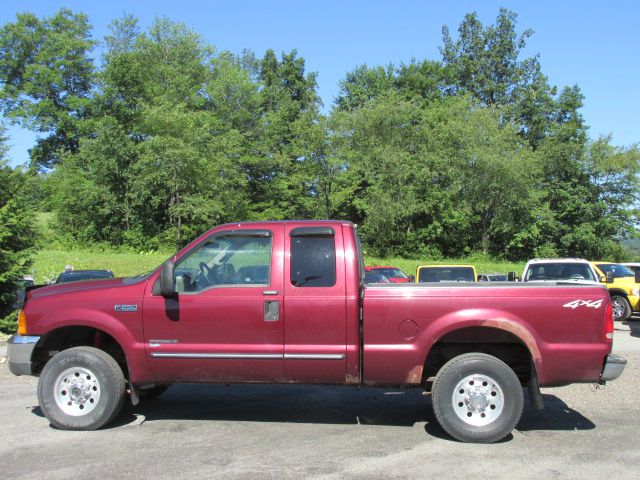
x: 583, y: 303
x: 125, y: 308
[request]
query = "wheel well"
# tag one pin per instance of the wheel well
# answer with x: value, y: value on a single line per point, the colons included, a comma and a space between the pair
x: 77, y: 336
x: 492, y: 341
x: 617, y: 293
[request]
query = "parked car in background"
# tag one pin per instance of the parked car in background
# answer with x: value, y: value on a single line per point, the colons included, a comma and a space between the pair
x: 77, y: 275
x: 394, y: 274
x: 635, y: 267
x: 446, y: 273
x: 493, y: 277
x: 574, y: 270
x: 623, y: 290
x: 374, y: 276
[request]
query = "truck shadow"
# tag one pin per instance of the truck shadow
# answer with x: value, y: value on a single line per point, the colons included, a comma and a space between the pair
x: 324, y: 405
x: 634, y: 325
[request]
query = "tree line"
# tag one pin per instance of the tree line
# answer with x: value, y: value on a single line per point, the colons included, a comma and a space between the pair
x: 163, y: 136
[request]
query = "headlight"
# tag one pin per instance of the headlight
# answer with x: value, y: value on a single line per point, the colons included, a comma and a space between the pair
x: 635, y: 292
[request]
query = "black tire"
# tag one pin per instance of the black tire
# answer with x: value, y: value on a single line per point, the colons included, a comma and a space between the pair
x: 102, y: 391
x: 494, y: 416
x: 621, y: 308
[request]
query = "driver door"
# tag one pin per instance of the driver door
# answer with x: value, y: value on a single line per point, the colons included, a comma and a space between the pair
x: 226, y: 322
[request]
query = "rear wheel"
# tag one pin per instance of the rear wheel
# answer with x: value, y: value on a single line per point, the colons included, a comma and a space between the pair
x: 621, y: 308
x: 81, y: 388
x: 477, y: 398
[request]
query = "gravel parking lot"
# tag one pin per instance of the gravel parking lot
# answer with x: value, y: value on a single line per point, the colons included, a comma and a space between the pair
x: 243, y: 431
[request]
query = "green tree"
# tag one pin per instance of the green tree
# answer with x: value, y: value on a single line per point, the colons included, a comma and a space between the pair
x: 46, y: 80
x: 280, y: 181
x: 172, y: 129
x: 485, y: 61
x: 16, y: 237
x: 423, y: 81
x: 364, y: 84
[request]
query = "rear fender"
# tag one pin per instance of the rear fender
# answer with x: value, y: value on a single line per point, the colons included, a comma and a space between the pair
x: 497, y: 319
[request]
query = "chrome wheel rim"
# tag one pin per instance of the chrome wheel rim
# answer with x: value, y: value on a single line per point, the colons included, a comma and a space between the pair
x: 77, y: 391
x: 478, y: 400
x: 618, y: 308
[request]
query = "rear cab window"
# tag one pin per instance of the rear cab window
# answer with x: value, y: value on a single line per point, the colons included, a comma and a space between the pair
x: 313, y: 257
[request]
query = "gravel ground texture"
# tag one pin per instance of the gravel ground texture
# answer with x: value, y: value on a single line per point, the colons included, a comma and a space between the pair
x: 281, y: 432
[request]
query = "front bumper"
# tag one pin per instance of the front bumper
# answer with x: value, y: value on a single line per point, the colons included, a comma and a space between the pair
x: 19, y: 351
x: 613, y: 367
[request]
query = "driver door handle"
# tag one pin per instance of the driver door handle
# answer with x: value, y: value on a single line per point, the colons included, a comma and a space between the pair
x: 270, y: 292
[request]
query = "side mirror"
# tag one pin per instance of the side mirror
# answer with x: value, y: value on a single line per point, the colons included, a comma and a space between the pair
x: 412, y: 278
x: 637, y: 276
x: 609, y: 277
x: 167, y: 280
x: 511, y: 276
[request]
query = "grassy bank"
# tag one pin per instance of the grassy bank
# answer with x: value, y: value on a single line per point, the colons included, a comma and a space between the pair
x: 49, y: 263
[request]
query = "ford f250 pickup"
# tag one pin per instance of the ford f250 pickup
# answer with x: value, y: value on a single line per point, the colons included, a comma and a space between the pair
x: 285, y: 302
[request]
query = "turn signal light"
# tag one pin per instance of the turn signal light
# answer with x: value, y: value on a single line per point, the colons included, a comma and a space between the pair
x: 22, y: 323
x: 608, y: 322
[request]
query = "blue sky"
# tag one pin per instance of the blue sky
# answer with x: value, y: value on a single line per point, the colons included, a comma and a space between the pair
x: 591, y: 43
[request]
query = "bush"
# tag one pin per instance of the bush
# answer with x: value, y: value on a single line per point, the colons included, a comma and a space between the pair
x: 16, y: 240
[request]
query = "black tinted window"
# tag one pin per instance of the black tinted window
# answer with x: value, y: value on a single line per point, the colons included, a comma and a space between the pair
x: 446, y: 274
x: 313, y: 261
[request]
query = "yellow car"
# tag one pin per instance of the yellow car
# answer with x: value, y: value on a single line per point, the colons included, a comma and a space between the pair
x: 446, y: 273
x: 624, y: 291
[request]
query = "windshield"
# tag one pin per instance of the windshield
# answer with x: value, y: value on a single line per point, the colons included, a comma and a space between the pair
x: 391, y: 272
x: 66, y: 277
x: 498, y: 278
x: 615, y: 269
x: 560, y: 271
x: 446, y: 274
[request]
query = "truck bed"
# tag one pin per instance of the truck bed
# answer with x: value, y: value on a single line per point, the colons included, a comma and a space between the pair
x: 561, y: 326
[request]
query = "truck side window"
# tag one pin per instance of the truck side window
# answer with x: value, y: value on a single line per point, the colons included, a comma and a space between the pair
x: 313, y: 258
x: 234, y: 259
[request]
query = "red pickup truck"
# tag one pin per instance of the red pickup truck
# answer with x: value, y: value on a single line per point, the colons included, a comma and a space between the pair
x: 285, y: 302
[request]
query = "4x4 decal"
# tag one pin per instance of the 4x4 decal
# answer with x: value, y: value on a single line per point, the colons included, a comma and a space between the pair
x: 583, y: 303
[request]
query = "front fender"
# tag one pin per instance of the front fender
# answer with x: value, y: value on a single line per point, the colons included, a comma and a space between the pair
x: 132, y: 345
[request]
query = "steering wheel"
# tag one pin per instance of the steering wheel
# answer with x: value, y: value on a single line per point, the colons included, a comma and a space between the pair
x: 207, y: 273
x: 576, y: 276
x: 462, y: 279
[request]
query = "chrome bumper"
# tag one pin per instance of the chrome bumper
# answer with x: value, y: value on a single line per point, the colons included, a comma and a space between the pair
x: 613, y: 367
x: 19, y: 350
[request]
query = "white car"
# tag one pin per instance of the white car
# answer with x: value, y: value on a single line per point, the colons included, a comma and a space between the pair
x: 575, y: 270
x: 635, y: 267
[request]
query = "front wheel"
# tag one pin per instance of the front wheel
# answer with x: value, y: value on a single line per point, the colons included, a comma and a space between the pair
x: 81, y: 388
x: 477, y: 398
x: 621, y: 308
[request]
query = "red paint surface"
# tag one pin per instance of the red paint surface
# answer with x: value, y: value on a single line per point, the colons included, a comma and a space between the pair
x: 567, y: 345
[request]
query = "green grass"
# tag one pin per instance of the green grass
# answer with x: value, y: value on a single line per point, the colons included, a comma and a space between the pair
x: 49, y: 263
x: 483, y: 265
